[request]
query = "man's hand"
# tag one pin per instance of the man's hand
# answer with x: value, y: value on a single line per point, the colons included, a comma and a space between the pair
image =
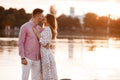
x: 23, y: 61
x: 47, y: 46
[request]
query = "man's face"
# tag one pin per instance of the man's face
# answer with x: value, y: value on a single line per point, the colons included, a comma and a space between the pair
x: 40, y: 17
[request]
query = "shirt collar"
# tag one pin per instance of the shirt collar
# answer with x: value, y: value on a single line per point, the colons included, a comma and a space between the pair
x: 33, y: 24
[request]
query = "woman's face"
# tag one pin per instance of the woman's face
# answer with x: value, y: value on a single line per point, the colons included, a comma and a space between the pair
x: 44, y: 20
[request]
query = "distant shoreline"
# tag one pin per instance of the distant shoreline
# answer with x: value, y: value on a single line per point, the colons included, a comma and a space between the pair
x: 13, y: 41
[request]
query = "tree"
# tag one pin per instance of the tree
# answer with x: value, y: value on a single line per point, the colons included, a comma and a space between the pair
x: 102, y: 21
x: 9, y: 20
x: 116, y: 27
x: 90, y: 20
x: 2, y: 10
x: 21, y: 12
x: 68, y: 25
x: 21, y: 17
x: 2, y: 16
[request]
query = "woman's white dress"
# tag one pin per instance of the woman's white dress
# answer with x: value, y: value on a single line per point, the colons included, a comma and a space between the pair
x: 49, y: 71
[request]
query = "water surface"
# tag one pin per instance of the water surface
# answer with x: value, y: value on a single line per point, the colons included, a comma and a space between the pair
x: 77, y: 59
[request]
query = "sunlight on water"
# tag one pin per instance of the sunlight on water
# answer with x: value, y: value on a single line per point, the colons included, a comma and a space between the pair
x: 107, y: 63
x: 75, y: 59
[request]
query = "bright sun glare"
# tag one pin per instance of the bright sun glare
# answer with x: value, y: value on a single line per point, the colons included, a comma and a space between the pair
x: 104, y: 8
x: 63, y: 6
x: 101, y: 8
x: 111, y: 8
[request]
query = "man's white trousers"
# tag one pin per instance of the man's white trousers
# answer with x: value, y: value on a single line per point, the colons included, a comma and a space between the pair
x: 34, y: 67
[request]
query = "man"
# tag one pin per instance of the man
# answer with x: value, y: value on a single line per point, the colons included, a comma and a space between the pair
x: 29, y: 48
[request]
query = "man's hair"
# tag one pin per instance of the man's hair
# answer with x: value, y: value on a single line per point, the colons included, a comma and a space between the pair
x: 37, y: 11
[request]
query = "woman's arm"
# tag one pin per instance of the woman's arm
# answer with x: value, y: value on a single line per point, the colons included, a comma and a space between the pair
x: 46, y: 45
x: 36, y: 33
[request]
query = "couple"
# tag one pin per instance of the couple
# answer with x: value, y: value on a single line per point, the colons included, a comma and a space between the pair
x: 34, y: 47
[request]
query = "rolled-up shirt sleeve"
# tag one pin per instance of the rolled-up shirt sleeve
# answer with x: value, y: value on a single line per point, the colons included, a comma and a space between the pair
x: 22, y: 36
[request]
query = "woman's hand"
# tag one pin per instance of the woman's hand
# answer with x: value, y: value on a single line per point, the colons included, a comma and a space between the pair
x: 35, y: 30
x: 47, y: 46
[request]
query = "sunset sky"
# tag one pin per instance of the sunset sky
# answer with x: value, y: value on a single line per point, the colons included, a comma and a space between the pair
x: 100, y: 7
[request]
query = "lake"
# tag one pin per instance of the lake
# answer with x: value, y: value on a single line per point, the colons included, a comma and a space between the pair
x: 76, y: 59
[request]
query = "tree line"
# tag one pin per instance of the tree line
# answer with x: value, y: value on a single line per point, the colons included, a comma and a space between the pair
x: 101, y: 25
x: 12, y: 17
x: 93, y: 25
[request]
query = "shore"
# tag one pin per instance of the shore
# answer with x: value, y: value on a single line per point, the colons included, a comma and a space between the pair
x: 13, y: 41
x: 8, y: 41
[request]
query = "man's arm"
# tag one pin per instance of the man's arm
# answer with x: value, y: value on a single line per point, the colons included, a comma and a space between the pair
x: 22, y: 35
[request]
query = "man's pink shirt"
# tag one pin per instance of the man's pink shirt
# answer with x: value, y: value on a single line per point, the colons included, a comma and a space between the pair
x: 29, y: 45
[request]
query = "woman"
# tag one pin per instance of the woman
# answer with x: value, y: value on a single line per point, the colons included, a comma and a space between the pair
x: 49, y: 32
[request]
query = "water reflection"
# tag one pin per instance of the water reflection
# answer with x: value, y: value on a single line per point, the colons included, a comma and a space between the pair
x: 76, y: 59
x: 70, y: 48
x: 9, y: 49
x: 1, y: 49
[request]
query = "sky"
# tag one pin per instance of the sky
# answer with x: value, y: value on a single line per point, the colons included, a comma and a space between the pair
x: 100, y: 7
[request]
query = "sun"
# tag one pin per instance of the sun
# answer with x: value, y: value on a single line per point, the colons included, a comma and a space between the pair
x: 108, y: 7
x: 101, y: 8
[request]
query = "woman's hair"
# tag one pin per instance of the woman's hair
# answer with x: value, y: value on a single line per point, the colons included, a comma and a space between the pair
x: 37, y: 11
x: 53, y: 24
